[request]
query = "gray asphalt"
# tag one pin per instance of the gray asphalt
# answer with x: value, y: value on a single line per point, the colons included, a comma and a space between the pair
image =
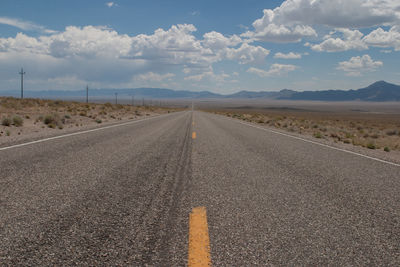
x: 122, y: 197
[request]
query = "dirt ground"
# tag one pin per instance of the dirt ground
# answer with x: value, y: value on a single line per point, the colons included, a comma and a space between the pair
x: 38, y: 118
x: 372, y: 128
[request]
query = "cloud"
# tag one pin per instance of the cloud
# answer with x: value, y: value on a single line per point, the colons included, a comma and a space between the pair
x: 244, y: 27
x: 100, y: 54
x: 217, y: 41
x: 337, y: 14
x: 270, y: 32
x: 24, y: 25
x: 111, y: 4
x: 151, y: 76
x: 294, y: 20
x: 290, y: 55
x: 195, y: 13
x: 351, y: 39
x: 382, y: 38
x: 357, y: 65
x: 247, y: 54
x: 208, y: 75
x: 275, y: 70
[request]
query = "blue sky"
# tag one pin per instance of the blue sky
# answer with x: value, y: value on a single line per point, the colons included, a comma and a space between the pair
x: 220, y: 46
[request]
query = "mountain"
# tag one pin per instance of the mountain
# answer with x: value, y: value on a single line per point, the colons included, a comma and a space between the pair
x: 155, y: 93
x: 261, y: 94
x: 378, y: 91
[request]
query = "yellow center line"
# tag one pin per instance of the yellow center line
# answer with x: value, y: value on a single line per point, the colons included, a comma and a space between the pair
x: 194, y: 135
x: 199, y: 242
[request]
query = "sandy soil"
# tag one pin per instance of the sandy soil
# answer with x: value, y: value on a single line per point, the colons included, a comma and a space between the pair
x: 374, y: 132
x: 31, y: 119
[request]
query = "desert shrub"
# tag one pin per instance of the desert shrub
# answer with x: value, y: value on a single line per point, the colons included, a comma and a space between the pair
x: 52, y: 125
x: 392, y: 132
x: 317, y: 135
x: 99, y: 121
x: 18, y: 121
x: 6, y: 121
x: 67, y: 116
x: 371, y: 146
x: 8, y: 133
x: 346, y: 141
x: 108, y: 105
x: 82, y: 113
x: 27, y: 117
x: 375, y: 136
x: 49, y: 119
x: 386, y: 149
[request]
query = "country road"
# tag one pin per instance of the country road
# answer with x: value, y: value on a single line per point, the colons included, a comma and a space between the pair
x: 121, y: 196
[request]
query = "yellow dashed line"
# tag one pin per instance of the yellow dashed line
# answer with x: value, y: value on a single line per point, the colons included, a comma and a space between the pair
x: 199, y: 242
x: 194, y: 135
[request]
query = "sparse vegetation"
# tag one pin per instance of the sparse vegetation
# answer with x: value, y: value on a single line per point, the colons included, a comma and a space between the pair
x: 6, y: 121
x: 373, y: 130
x: 371, y: 146
x: 317, y: 135
x: 50, y: 119
x: 35, y: 116
x: 18, y: 121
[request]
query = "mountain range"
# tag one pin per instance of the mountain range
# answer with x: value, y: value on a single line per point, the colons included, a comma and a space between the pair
x: 378, y: 91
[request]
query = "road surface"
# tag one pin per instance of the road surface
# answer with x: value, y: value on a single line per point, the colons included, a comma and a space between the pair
x: 122, y: 196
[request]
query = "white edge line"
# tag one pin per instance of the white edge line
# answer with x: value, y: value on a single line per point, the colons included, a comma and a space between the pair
x: 313, y: 142
x: 83, y: 132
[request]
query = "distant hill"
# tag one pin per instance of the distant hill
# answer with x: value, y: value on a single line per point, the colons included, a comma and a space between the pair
x: 378, y: 91
x: 154, y: 93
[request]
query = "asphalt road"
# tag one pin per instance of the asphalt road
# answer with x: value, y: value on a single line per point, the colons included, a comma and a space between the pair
x: 122, y: 196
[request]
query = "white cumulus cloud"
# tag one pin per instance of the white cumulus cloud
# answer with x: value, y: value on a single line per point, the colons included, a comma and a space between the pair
x: 151, y: 76
x: 351, y: 39
x: 382, y: 38
x: 290, y: 55
x: 98, y: 53
x: 274, y: 70
x: 357, y: 65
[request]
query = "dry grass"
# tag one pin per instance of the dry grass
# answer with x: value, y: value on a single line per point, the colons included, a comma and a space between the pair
x: 373, y: 131
x: 32, y: 115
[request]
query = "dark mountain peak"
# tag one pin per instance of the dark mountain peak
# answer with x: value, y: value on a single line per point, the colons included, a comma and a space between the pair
x: 379, y: 83
x: 378, y: 91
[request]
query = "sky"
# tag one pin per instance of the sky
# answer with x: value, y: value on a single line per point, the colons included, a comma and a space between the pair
x: 220, y: 46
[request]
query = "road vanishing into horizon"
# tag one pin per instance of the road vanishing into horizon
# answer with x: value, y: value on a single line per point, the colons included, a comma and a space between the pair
x: 123, y: 195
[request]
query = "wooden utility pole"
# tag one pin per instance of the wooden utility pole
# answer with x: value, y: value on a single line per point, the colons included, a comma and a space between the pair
x: 22, y: 82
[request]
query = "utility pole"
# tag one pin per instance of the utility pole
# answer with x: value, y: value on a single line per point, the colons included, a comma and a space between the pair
x: 22, y: 82
x: 116, y: 98
x: 87, y: 93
